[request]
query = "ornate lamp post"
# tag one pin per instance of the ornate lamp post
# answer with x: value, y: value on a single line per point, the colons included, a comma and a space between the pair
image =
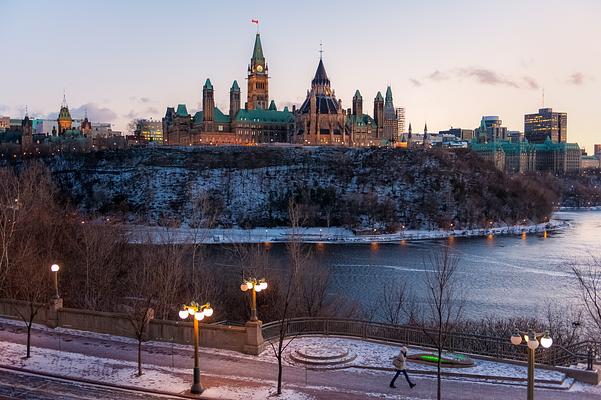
x: 197, y: 313
x: 532, y: 339
x: 55, y: 268
x: 254, y: 286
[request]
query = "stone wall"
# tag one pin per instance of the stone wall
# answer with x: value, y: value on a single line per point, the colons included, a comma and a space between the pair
x: 246, y: 339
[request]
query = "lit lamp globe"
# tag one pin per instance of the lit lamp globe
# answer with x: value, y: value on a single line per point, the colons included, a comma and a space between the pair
x: 258, y: 288
x: 533, y: 343
x: 244, y: 287
x: 199, y: 316
x: 516, y: 339
x: 191, y: 311
x: 208, y: 312
x: 54, y: 268
x: 183, y: 314
x: 249, y: 285
x: 546, y: 341
x: 263, y: 285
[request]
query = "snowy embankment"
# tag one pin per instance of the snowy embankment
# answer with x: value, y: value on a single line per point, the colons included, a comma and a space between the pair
x: 141, y: 234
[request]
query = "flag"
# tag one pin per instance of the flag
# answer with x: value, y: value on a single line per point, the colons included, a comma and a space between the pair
x: 255, y: 21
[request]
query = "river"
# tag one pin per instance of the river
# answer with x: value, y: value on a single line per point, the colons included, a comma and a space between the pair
x: 502, y: 275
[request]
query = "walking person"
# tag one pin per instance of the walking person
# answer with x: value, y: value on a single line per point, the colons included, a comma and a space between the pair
x: 399, y: 363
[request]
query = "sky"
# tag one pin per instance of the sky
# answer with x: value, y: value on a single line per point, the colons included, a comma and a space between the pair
x: 448, y: 62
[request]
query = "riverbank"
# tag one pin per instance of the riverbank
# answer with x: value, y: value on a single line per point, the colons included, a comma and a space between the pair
x: 143, y: 234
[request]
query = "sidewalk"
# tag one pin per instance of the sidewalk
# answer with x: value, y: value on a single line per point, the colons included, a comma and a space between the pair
x: 228, y: 375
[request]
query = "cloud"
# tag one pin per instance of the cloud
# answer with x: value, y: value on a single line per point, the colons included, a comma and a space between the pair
x: 483, y: 76
x: 4, y: 108
x: 438, y: 76
x: 146, y: 113
x: 95, y: 112
x: 143, y: 100
x: 531, y: 83
x: 578, y: 79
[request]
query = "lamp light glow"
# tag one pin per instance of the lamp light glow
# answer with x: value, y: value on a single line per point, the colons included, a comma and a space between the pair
x: 199, y: 316
x: 183, y: 314
x: 208, y: 312
x: 54, y: 268
x: 546, y: 341
x: 244, y: 287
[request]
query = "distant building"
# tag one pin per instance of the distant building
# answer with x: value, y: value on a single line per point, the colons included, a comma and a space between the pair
x: 490, y: 130
x: 461, y: 134
x: 149, y: 130
x: 258, y: 122
x: 4, y: 123
x: 400, y: 119
x: 591, y: 162
x: 546, y: 124
x: 522, y: 157
x: 515, y: 136
x: 597, y: 150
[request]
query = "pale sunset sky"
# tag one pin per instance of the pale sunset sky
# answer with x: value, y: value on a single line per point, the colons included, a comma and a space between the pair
x: 448, y: 62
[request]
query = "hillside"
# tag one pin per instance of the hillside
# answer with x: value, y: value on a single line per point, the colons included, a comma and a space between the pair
x: 379, y: 188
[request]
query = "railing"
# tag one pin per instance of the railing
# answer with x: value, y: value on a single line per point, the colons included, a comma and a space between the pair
x: 416, y: 336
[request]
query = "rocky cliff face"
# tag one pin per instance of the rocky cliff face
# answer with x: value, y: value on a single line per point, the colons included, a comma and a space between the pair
x: 359, y: 188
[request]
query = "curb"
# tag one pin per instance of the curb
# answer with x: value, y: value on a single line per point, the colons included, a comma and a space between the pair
x: 102, y: 384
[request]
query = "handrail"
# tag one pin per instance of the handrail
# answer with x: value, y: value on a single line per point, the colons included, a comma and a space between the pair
x: 414, y: 335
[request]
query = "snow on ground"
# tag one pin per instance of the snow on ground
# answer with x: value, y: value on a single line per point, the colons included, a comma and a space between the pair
x: 244, y: 393
x: 140, y: 233
x: 379, y: 355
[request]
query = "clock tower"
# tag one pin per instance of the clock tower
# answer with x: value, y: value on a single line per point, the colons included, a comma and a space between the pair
x: 258, y: 85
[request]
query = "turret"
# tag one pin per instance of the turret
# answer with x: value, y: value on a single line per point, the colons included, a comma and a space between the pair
x: 208, y: 102
x: 234, y: 100
x: 357, y: 104
x: 379, y: 114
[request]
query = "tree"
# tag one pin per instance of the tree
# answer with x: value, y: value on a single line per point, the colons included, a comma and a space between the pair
x: 289, y: 286
x: 444, y: 301
x: 589, y: 279
x: 141, y: 284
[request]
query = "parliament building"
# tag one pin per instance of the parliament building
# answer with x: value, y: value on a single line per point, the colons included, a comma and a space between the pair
x: 320, y: 120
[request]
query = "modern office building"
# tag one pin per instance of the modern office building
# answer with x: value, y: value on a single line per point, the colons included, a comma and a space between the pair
x: 461, y: 134
x: 149, y: 130
x: 400, y: 120
x: 546, y: 124
x: 491, y: 129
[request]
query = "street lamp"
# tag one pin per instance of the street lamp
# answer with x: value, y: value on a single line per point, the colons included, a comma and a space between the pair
x: 54, y: 268
x: 532, y: 340
x: 254, y: 286
x: 197, y: 313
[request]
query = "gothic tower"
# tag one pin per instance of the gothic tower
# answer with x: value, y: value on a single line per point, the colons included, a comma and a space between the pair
x: 208, y: 102
x: 64, y: 117
x: 379, y: 114
x: 390, y: 121
x: 357, y: 103
x: 258, y: 85
x: 234, y: 100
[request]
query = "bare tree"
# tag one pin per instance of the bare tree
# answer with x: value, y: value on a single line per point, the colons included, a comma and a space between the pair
x: 589, y: 279
x: 141, y: 284
x: 289, y: 286
x: 313, y: 284
x: 444, y: 301
x: 9, y: 214
x: 393, y: 302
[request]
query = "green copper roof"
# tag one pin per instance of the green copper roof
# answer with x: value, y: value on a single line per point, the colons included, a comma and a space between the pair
x: 208, y: 84
x: 218, y: 117
x: 182, y: 111
x: 235, y: 86
x: 379, y: 96
x: 272, y: 106
x: 265, y: 116
x: 362, y: 119
x: 258, y: 50
x: 388, y: 93
x: 358, y: 94
x: 64, y: 114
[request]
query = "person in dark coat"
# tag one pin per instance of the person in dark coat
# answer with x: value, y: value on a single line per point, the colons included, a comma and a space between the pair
x: 399, y: 363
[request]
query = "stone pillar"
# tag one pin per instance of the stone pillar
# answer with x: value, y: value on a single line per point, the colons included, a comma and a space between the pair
x: 254, y: 338
x: 54, y: 307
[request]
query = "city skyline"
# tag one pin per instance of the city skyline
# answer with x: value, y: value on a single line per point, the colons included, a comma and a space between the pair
x: 127, y: 61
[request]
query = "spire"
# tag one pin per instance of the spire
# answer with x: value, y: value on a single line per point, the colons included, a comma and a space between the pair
x: 235, y: 87
x: 258, y: 50
x: 208, y: 84
x: 64, y: 103
x: 321, y: 77
x: 379, y: 96
x: 425, y: 128
x: 388, y: 94
x: 272, y: 106
x: 358, y: 94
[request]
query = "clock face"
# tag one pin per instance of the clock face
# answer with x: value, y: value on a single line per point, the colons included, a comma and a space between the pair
x: 259, y: 68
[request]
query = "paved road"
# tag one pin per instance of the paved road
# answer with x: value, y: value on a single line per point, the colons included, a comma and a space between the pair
x: 219, y: 369
x: 16, y: 385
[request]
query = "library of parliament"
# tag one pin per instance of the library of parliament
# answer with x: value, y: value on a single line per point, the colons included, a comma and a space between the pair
x: 320, y: 120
